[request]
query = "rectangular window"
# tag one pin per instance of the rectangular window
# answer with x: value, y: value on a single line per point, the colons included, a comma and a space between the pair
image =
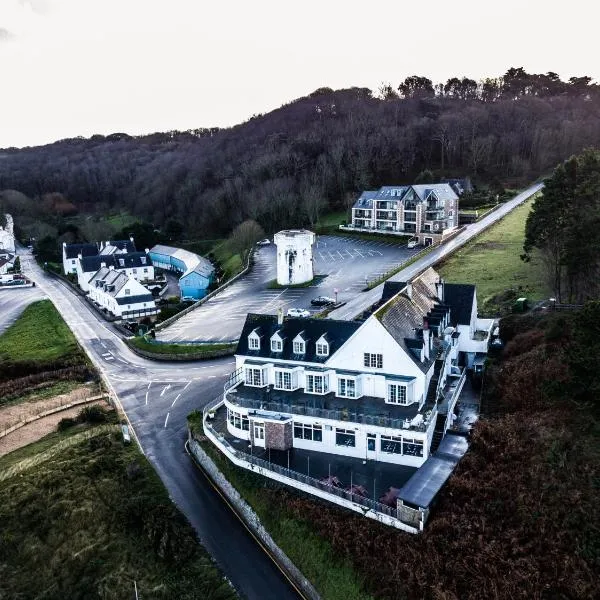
x: 253, y: 343
x: 413, y: 447
x: 135, y: 271
x: 145, y: 270
x: 317, y: 384
x: 346, y: 387
x: 374, y: 361
x: 253, y: 377
x: 396, y: 394
x: 298, y: 347
x: 345, y: 437
x: 322, y: 349
x: 259, y: 431
x: 371, y: 442
x: 127, y: 292
x: 308, y: 431
x: 276, y: 345
x: 283, y: 380
x: 390, y: 445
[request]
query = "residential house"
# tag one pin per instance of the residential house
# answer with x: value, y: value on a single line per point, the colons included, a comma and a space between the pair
x: 196, y: 272
x: 427, y: 212
x: 134, y: 264
x: 72, y: 252
x: 121, y: 295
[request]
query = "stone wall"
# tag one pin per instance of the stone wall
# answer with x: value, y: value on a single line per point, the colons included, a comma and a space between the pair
x: 278, y: 436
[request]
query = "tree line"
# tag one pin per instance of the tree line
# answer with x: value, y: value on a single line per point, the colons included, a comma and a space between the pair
x: 315, y: 154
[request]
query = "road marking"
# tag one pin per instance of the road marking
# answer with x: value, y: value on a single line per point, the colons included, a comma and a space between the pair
x: 149, y: 385
x: 146, y: 398
x: 166, y: 419
x: 109, y: 358
x: 172, y: 405
x: 188, y: 383
x: 211, y: 376
x: 165, y: 389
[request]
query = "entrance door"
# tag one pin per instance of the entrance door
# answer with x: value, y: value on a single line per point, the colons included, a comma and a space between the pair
x: 259, y: 434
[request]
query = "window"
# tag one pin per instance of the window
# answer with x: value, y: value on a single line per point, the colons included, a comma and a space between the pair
x: 253, y: 377
x: 317, y: 384
x: 276, y: 345
x: 322, y: 348
x: 145, y: 270
x: 283, y: 380
x: 73, y: 262
x: 396, y: 394
x: 299, y: 348
x: 374, y: 361
x: 121, y: 262
x: 259, y: 431
x: 253, y: 342
x: 346, y: 387
x: 238, y: 420
x: 390, y: 445
x: 371, y: 442
x: 345, y: 437
x: 127, y: 292
x: 134, y: 271
x: 308, y: 431
x: 413, y: 447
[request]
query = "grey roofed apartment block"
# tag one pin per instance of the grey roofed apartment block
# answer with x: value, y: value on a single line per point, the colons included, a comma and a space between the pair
x: 336, y: 332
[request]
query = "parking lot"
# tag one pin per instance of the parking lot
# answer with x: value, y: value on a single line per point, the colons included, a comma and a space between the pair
x: 346, y: 264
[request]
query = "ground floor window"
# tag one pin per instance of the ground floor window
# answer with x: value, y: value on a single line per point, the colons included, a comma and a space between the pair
x: 413, y: 447
x: 308, y: 431
x: 253, y: 376
x: 238, y: 420
x: 390, y: 444
x: 346, y: 387
x: 345, y: 437
x: 259, y: 431
x: 283, y: 380
x: 396, y: 394
x: 371, y: 437
x: 317, y: 384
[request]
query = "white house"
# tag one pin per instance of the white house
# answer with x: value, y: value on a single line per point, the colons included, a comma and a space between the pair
x: 427, y: 212
x: 7, y: 236
x: 72, y: 252
x: 136, y: 265
x: 376, y: 390
x: 7, y: 261
x: 121, y: 295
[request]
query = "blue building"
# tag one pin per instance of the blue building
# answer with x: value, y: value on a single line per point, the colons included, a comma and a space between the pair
x: 197, y: 272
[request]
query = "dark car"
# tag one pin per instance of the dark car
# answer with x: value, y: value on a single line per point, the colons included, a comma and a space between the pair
x: 322, y: 301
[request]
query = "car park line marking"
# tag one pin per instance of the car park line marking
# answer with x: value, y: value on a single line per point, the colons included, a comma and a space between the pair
x: 188, y: 383
x: 165, y: 389
x: 146, y: 397
x: 166, y: 419
x: 177, y: 398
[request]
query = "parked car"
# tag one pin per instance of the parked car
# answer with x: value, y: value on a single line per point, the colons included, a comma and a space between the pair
x: 264, y: 242
x: 298, y: 312
x: 188, y: 299
x: 413, y: 243
x: 322, y: 301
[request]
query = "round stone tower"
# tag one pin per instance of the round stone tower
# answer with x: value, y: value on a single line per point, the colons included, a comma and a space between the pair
x: 294, y: 256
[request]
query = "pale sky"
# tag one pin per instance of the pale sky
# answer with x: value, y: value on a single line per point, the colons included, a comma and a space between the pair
x: 79, y: 67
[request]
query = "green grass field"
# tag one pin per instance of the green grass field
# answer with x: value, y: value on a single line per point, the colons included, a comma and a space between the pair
x: 180, y: 349
x: 492, y: 262
x: 87, y: 518
x: 39, y: 334
x: 333, y: 576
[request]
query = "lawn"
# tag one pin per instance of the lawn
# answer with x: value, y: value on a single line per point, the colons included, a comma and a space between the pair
x: 39, y: 334
x: 492, y: 262
x: 88, y: 518
x: 330, y: 572
x: 202, y: 350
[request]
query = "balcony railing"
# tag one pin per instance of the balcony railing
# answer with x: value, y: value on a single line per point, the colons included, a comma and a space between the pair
x: 324, y: 413
x: 386, y: 215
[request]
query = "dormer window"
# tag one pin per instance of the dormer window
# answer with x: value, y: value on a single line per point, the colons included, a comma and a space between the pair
x: 254, y: 341
x: 299, y: 344
x: 121, y: 262
x: 276, y: 342
x: 322, y: 347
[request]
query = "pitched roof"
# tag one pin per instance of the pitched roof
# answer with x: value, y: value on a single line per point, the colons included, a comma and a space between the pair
x: 129, y: 260
x: 442, y: 190
x: 391, y: 192
x: 459, y: 296
x: 193, y: 262
x: 365, y: 200
x: 337, y: 334
x: 109, y: 277
x: 128, y: 245
x: 74, y: 250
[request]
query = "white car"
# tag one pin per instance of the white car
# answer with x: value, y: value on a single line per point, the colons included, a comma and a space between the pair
x: 298, y: 312
x: 412, y: 243
x: 264, y: 242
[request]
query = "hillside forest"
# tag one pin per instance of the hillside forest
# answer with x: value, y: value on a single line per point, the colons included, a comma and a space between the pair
x: 311, y: 156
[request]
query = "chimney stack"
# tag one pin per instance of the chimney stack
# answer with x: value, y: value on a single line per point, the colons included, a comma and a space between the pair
x: 426, y: 338
x: 146, y: 250
x: 409, y: 290
x: 102, y: 265
x: 80, y: 256
x: 280, y: 316
x: 439, y: 287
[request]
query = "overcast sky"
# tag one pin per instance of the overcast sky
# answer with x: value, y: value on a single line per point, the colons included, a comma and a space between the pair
x: 79, y: 67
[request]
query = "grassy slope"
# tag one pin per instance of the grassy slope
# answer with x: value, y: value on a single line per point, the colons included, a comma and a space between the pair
x: 330, y: 572
x: 88, y: 521
x: 38, y: 334
x: 143, y: 344
x: 492, y: 263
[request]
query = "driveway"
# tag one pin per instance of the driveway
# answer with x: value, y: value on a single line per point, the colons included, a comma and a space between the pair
x: 345, y: 264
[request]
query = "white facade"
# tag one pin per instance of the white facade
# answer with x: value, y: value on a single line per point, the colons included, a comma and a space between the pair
x: 7, y: 236
x: 294, y: 256
x: 141, y: 273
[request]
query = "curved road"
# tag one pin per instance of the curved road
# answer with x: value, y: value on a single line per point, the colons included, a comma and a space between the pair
x: 157, y: 397
x: 363, y: 301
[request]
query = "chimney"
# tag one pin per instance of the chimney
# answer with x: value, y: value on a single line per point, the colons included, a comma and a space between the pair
x: 103, y: 265
x: 426, y: 338
x: 146, y: 250
x: 409, y: 290
x: 439, y: 290
x: 131, y: 239
x: 111, y: 267
x: 80, y: 256
x: 280, y: 316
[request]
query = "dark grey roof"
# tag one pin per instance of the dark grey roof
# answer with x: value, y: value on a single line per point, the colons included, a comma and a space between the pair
x: 365, y: 200
x: 391, y: 192
x: 459, y: 296
x: 135, y: 299
x: 128, y: 245
x: 390, y: 289
x: 130, y: 260
x: 424, y: 485
x: 338, y: 332
x: 74, y: 250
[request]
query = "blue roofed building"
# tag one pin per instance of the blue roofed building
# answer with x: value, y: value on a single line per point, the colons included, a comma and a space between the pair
x: 197, y: 272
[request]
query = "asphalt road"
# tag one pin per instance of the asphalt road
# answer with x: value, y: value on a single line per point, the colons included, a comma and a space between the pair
x: 366, y: 299
x: 347, y: 264
x: 157, y: 398
x: 13, y: 302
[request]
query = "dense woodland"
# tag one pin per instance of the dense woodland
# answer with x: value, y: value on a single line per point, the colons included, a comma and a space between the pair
x: 287, y: 167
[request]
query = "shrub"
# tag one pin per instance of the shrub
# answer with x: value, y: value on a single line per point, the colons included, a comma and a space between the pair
x: 92, y: 414
x: 65, y: 424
